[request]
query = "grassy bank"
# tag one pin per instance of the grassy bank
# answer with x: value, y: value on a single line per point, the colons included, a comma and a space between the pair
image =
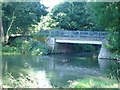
x: 92, y: 82
x: 25, y: 81
x: 30, y: 81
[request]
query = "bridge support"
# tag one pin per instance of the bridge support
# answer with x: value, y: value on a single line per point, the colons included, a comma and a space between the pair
x: 64, y: 48
x: 51, y: 43
x: 58, y: 47
x: 104, y: 52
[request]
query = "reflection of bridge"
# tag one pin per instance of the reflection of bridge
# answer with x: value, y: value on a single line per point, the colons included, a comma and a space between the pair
x: 57, y: 37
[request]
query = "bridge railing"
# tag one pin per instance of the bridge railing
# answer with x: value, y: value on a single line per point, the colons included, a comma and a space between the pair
x: 74, y: 34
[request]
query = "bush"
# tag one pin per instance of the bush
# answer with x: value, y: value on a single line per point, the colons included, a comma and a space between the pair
x: 24, y: 46
x: 31, y: 46
x: 38, y: 48
x: 10, y: 49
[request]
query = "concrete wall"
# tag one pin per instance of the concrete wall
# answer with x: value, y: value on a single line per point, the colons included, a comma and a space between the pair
x: 67, y: 48
x: 104, y: 52
x: 58, y: 47
x: 51, y: 44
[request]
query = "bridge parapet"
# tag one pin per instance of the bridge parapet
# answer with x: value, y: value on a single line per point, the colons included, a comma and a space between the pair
x: 99, y: 35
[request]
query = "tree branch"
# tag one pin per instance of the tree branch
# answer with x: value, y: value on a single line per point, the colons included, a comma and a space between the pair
x: 11, y: 23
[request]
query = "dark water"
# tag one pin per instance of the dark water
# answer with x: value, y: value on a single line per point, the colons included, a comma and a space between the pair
x: 61, y: 68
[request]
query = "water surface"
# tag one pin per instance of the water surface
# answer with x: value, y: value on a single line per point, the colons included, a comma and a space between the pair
x: 59, y: 69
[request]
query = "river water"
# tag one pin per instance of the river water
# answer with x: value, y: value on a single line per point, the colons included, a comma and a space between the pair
x: 58, y: 69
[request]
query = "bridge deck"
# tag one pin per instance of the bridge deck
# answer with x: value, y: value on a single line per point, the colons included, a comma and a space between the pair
x: 78, y: 41
x: 73, y: 34
x: 81, y: 37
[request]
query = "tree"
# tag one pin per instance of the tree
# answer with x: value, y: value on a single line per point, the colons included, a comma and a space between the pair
x: 70, y: 16
x: 20, y: 17
x: 48, y: 23
x: 1, y: 26
x: 107, y: 15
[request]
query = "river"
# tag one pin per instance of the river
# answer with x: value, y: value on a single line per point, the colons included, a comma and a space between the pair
x: 58, y: 69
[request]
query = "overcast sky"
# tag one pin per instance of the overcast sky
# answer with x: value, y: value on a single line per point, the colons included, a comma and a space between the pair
x: 50, y: 3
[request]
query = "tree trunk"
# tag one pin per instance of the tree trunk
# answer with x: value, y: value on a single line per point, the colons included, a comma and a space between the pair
x: 1, y: 30
x: 1, y: 26
x: 7, y: 33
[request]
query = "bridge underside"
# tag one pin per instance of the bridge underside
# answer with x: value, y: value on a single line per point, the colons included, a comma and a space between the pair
x: 78, y: 42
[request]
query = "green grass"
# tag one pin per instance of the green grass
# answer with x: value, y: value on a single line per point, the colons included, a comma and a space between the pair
x: 21, y: 81
x: 24, y: 80
x: 99, y: 82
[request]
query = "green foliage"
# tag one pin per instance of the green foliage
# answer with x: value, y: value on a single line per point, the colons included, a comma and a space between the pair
x: 30, y: 46
x: 19, y: 17
x: 22, y: 45
x: 10, y: 50
x: 106, y: 15
x: 93, y: 83
x: 25, y: 47
x: 113, y: 43
x: 38, y: 48
x: 70, y: 16
x: 48, y: 22
x: 21, y: 81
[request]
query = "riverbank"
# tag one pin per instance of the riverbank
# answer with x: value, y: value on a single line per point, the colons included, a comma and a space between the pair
x: 92, y: 82
x: 27, y: 81
x: 39, y: 48
x: 34, y: 81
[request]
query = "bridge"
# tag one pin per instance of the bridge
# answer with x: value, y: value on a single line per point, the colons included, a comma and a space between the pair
x: 80, y: 37
x: 57, y: 37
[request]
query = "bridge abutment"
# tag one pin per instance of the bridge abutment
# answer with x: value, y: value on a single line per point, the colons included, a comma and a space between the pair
x: 51, y: 44
x: 65, y: 48
x: 58, y: 47
x: 104, y: 52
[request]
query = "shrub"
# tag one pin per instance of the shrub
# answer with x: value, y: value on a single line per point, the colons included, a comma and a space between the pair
x: 38, y: 48
x: 26, y: 47
x: 10, y: 49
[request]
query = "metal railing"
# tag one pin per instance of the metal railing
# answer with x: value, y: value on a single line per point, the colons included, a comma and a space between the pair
x: 97, y: 35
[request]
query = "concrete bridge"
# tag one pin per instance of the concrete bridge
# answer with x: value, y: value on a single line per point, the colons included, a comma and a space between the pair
x: 57, y: 37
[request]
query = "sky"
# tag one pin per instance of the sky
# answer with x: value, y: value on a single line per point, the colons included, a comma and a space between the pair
x: 50, y: 3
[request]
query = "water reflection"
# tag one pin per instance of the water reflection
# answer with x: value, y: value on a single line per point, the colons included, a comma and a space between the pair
x: 42, y: 80
x: 59, y: 69
x: 110, y: 67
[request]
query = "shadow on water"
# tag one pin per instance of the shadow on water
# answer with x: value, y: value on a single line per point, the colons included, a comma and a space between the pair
x: 61, y: 68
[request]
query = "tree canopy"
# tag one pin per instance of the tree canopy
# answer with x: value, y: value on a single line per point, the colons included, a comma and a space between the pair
x: 68, y: 15
x: 20, y: 17
x: 107, y: 15
x: 87, y: 15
